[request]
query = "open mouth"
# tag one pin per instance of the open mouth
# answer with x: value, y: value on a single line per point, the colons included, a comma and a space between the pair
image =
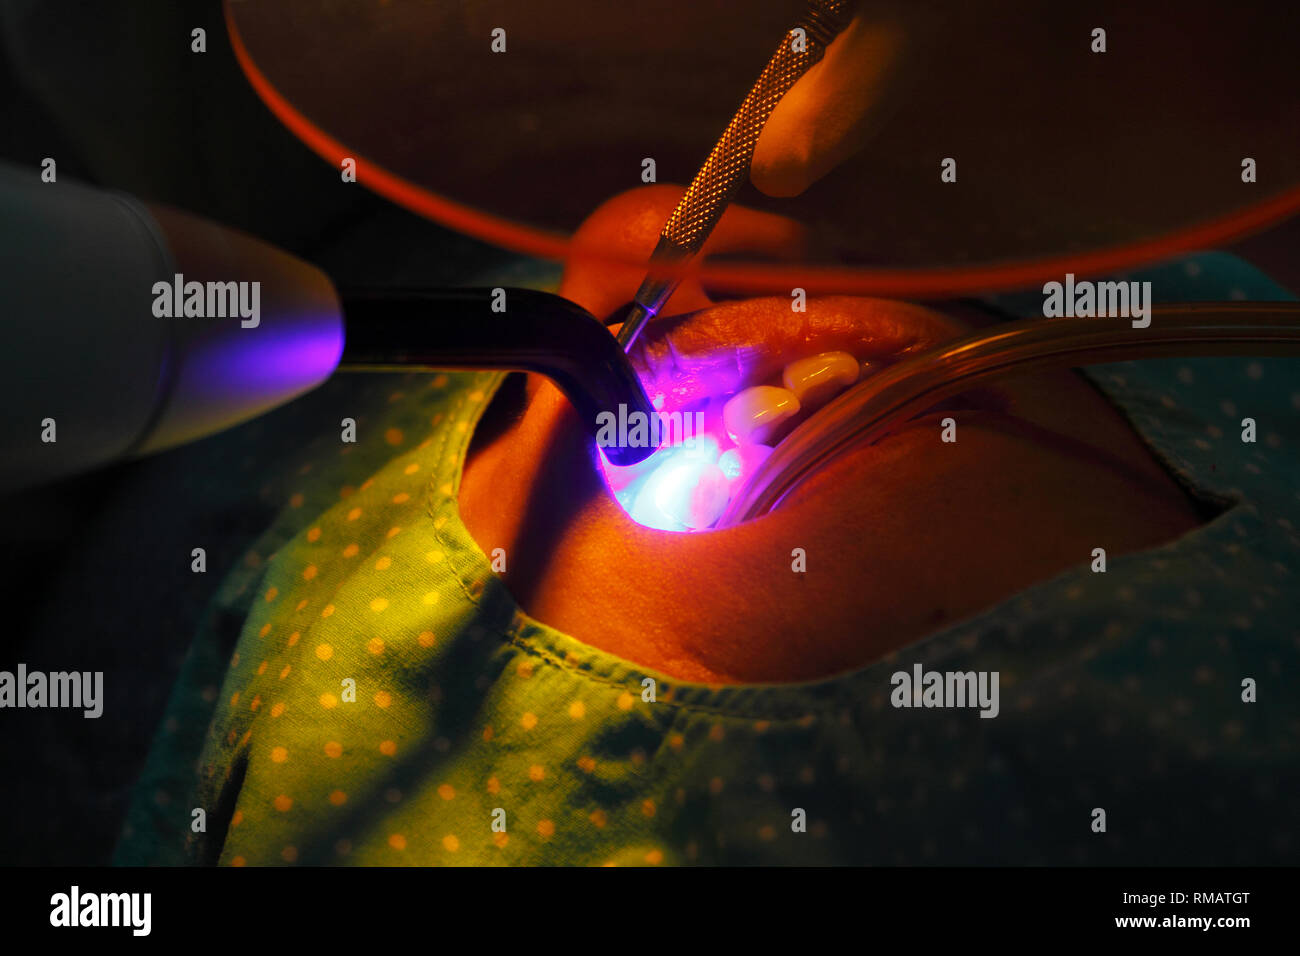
x: 730, y: 381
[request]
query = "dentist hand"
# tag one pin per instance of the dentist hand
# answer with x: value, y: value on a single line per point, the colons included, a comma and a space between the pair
x: 830, y: 113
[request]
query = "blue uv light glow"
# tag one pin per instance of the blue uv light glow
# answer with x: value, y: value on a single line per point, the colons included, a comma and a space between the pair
x: 685, y: 486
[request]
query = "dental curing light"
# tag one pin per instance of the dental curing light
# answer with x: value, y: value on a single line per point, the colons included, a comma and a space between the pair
x: 535, y: 332
x: 131, y: 328
x: 92, y: 371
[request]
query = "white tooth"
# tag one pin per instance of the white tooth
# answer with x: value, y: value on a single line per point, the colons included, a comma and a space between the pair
x: 708, y: 500
x: 816, y: 379
x: 753, y: 416
x: 739, y: 464
x: 681, y: 495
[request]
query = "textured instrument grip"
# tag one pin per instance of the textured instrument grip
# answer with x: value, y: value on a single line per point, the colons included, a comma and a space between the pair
x: 728, y: 163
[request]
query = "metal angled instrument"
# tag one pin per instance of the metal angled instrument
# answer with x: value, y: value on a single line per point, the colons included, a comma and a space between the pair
x: 728, y: 163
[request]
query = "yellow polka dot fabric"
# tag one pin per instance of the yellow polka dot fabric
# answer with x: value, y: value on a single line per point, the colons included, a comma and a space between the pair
x: 364, y: 690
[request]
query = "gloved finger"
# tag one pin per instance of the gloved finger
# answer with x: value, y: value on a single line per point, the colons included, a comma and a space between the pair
x: 827, y: 115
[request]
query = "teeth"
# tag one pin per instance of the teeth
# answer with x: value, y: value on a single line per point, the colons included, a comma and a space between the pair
x: 739, y: 464
x: 815, y: 380
x: 751, y: 417
x: 681, y: 495
x: 708, y: 500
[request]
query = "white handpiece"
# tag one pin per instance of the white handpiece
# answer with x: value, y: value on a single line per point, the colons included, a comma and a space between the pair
x: 107, y: 354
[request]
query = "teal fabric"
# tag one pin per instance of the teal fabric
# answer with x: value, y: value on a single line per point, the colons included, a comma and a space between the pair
x: 1119, y: 691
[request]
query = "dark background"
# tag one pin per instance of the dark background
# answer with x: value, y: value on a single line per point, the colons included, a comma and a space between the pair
x: 91, y: 576
x: 94, y: 571
x: 1060, y: 149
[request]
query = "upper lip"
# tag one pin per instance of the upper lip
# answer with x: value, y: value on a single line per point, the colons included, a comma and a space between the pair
x: 722, y: 349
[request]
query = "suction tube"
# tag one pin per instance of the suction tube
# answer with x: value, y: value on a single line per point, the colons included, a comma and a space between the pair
x: 866, y: 412
x: 533, y: 332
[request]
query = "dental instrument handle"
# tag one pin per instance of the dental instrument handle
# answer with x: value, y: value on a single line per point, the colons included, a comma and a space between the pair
x: 728, y: 163
x: 884, y: 400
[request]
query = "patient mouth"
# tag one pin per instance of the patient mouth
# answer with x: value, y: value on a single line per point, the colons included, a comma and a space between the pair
x: 733, y: 346
x: 749, y: 371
